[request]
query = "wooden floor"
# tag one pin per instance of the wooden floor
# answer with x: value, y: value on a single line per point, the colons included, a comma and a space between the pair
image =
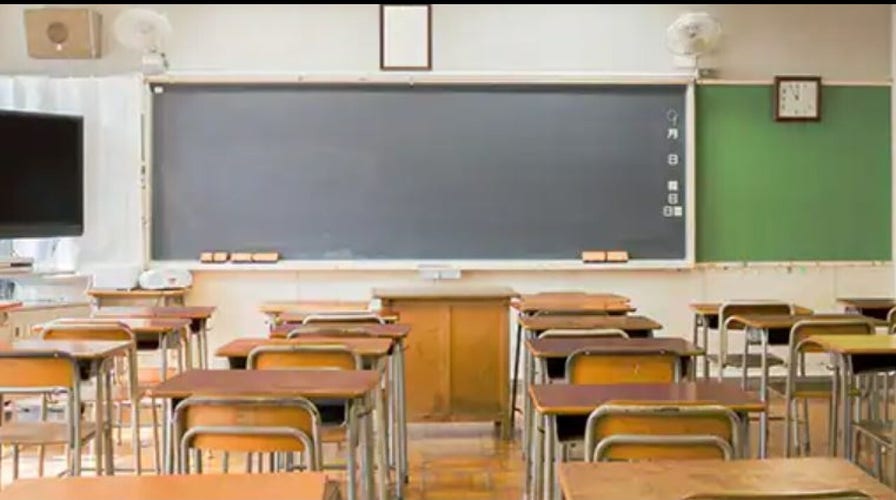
x: 448, y: 461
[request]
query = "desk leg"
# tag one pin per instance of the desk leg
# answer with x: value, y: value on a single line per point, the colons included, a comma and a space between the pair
x: 845, y: 389
x: 99, y: 417
x: 696, y: 335
x: 537, y: 457
x: 549, y: 446
x: 350, y: 466
x: 182, y: 349
x: 833, y: 427
x: 528, y: 378
x: 203, y: 344
x: 381, y: 436
x: 763, y: 395
x: 135, y: 409
x: 168, y: 456
x: 402, y: 415
x: 109, y: 452
x: 163, y: 350
x: 514, y: 377
x: 367, y: 457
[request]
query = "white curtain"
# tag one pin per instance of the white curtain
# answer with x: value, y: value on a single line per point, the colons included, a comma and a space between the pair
x: 111, y: 107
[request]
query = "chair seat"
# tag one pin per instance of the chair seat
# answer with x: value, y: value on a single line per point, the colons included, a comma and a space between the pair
x: 806, y: 388
x: 754, y: 360
x: 879, y: 430
x: 25, y: 433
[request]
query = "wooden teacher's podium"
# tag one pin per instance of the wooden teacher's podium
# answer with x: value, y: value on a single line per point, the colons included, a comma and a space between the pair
x: 457, y: 352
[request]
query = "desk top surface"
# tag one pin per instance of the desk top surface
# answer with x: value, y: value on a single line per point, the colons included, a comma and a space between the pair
x: 713, y: 308
x: 138, y: 325
x: 277, y: 307
x: 79, y: 349
x: 572, y: 302
x: 389, y: 330
x: 679, y: 479
x: 137, y: 293
x: 284, y: 486
x: 868, y: 302
x: 567, y: 399
x: 779, y: 321
x: 563, y: 347
x: 369, y: 346
x: 586, y: 321
x: 436, y: 292
x: 857, y: 344
x: 191, y: 312
x: 337, y: 384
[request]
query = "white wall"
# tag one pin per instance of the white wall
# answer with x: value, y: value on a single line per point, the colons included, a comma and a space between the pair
x: 850, y: 42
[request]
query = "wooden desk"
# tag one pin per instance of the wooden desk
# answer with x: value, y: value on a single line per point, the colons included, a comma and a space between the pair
x: 277, y: 307
x: 634, y: 326
x: 457, y: 362
x: 553, y: 400
x: 394, y: 331
x: 237, y: 351
x: 96, y: 356
x: 771, y: 329
x: 678, y: 479
x: 16, y: 322
x: 283, y: 486
x: 354, y: 386
x: 6, y: 305
x: 198, y: 316
x: 563, y: 347
x: 875, y: 307
x: 296, y: 317
x: 575, y: 303
x: 856, y: 354
x: 171, y: 296
x: 151, y: 334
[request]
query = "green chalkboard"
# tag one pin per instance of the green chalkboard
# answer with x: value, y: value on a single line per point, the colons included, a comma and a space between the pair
x: 770, y: 191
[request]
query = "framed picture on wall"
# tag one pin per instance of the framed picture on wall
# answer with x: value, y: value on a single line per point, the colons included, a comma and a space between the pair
x: 406, y: 37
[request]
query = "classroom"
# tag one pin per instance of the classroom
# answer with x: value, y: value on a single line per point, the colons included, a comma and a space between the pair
x: 447, y: 251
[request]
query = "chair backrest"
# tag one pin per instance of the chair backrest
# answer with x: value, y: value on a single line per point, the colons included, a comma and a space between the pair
x: 37, y: 371
x: 587, y: 333
x: 87, y: 330
x: 325, y: 330
x: 343, y: 317
x: 790, y: 495
x: 287, y: 357
x: 804, y: 329
x: 741, y: 307
x: 640, y: 431
x: 891, y: 321
x: 622, y: 367
x: 248, y: 424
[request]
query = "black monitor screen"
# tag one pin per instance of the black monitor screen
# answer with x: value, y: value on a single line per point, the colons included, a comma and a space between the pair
x: 41, y: 175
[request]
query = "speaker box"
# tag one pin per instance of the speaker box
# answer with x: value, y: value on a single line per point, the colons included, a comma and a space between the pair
x: 63, y: 33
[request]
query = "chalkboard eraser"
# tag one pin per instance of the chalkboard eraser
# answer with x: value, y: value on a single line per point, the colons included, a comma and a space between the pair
x: 594, y: 256
x: 617, y: 256
x: 241, y: 257
x: 207, y: 257
x: 266, y: 257
x: 221, y: 257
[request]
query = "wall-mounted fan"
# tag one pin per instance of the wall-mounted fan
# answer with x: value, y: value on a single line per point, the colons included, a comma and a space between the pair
x: 692, y: 35
x: 145, y: 30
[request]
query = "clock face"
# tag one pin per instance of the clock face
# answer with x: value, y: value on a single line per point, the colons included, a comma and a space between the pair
x: 798, y: 99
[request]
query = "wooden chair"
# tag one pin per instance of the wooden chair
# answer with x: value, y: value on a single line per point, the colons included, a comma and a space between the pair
x: 46, y: 374
x: 790, y: 495
x: 553, y: 369
x: 124, y: 394
x: 360, y: 317
x: 641, y: 431
x: 799, y: 388
x: 626, y: 367
x: 334, y: 414
x: 724, y: 359
x: 280, y: 427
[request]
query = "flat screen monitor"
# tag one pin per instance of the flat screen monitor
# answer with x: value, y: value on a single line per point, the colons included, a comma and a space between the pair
x: 41, y: 175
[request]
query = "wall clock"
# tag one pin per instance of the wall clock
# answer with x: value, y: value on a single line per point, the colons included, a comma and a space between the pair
x: 797, y: 98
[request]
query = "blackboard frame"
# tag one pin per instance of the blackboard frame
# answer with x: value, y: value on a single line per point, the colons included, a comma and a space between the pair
x: 440, y: 79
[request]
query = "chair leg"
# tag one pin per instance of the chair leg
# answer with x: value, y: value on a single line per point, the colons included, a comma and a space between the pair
x: 135, y: 436
x: 806, y: 448
x: 42, y: 450
x: 225, y: 462
x: 788, y: 430
x: 15, y: 462
x: 155, y: 437
x: 248, y: 463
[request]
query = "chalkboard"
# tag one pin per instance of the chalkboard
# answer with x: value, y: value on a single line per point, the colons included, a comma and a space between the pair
x: 435, y: 171
x: 776, y: 191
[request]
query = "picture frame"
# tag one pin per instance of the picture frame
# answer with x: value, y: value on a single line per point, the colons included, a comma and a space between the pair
x: 406, y: 37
